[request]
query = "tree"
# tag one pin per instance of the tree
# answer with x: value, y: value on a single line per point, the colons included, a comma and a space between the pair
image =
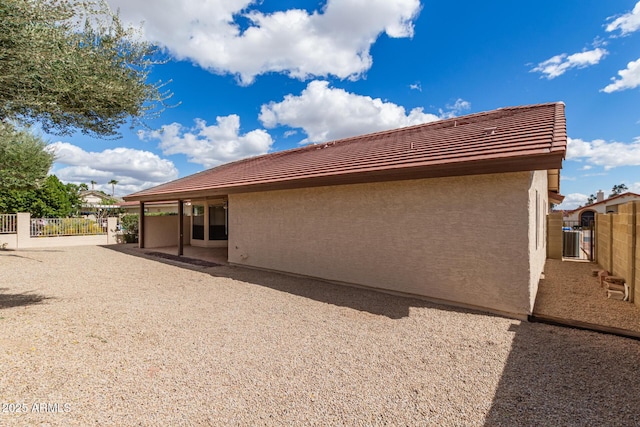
x: 113, y: 183
x: 618, y: 189
x: 72, y: 65
x: 24, y: 159
x: 93, y: 183
x: 591, y: 199
x: 51, y: 200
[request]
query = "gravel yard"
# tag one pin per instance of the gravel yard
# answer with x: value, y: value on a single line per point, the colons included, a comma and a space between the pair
x: 569, y: 291
x: 91, y: 336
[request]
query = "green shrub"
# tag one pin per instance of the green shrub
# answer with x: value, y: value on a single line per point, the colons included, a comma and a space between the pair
x: 129, y: 225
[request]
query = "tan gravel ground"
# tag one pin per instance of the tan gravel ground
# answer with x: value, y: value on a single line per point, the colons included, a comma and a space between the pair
x: 569, y: 291
x: 118, y: 340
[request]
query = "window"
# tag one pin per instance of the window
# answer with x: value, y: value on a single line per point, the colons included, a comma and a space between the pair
x: 218, y: 223
x: 197, y: 232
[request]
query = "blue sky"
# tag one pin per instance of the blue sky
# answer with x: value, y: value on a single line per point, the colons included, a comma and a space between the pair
x: 253, y: 77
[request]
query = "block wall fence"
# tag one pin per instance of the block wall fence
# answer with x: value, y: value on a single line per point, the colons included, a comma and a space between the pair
x: 618, y: 245
x: 21, y: 238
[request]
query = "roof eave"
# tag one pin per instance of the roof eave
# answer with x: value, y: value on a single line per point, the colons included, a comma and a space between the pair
x: 551, y: 160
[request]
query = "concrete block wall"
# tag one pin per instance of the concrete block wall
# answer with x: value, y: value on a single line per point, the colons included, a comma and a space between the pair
x: 603, y: 240
x: 617, y: 243
x: 554, y: 235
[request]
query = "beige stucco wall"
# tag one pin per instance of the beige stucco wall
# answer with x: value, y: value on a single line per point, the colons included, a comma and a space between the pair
x: 538, y: 208
x: 460, y: 239
x: 9, y: 241
x: 160, y: 231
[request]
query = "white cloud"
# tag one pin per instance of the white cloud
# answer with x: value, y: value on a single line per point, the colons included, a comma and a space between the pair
x: 211, y: 145
x: 416, y: 86
x: 629, y: 78
x: 334, y: 41
x: 455, y: 109
x: 572, y: 201
x: 627, y: 23
x: 635, y: 187
x: 560, y: 64
x: 602, y: 153
x: 133, y: 169
x: 326, y: 113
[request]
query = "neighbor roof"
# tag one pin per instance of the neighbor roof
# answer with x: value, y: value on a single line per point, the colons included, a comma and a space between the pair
x: 605, y: 201
x: 509, y: 139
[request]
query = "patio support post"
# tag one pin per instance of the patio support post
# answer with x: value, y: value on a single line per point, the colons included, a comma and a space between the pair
x: 141, y: 227
x: 180, y: 227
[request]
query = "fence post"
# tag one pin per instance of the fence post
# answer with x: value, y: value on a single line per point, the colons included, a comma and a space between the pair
x: 23, y: 230
x: 112, y: 223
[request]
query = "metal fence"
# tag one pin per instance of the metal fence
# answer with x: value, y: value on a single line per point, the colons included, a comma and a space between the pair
x: 578, y: 239
x: 8, y: 223
x: 55, y: 227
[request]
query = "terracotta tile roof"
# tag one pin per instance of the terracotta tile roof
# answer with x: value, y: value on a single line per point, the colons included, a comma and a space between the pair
x: 505, y: 140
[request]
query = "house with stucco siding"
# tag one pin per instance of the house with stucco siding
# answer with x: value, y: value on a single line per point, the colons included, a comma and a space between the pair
x: 585, y: 215
x: 453, y: 211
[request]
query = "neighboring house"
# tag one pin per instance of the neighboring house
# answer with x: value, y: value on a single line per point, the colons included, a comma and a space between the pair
x: 584, y: 215
x: 453, y: 210
x: 97, y: 204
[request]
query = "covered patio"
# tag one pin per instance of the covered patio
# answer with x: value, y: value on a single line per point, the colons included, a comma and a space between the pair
x: 199, y: 228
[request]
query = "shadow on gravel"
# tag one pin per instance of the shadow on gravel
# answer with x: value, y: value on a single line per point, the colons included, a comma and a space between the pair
x: 370, y: 301
x: 564, y: 377
x: 19, y: 300
x: 20, y: 256
x: 165, y: 258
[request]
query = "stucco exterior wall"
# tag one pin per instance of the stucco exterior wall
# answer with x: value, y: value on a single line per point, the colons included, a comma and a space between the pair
x: 459, y: 239
x: 538, y: 208
x: 161, y: 231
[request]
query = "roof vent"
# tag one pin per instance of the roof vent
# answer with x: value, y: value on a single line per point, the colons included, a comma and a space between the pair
x: 490, y: 131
